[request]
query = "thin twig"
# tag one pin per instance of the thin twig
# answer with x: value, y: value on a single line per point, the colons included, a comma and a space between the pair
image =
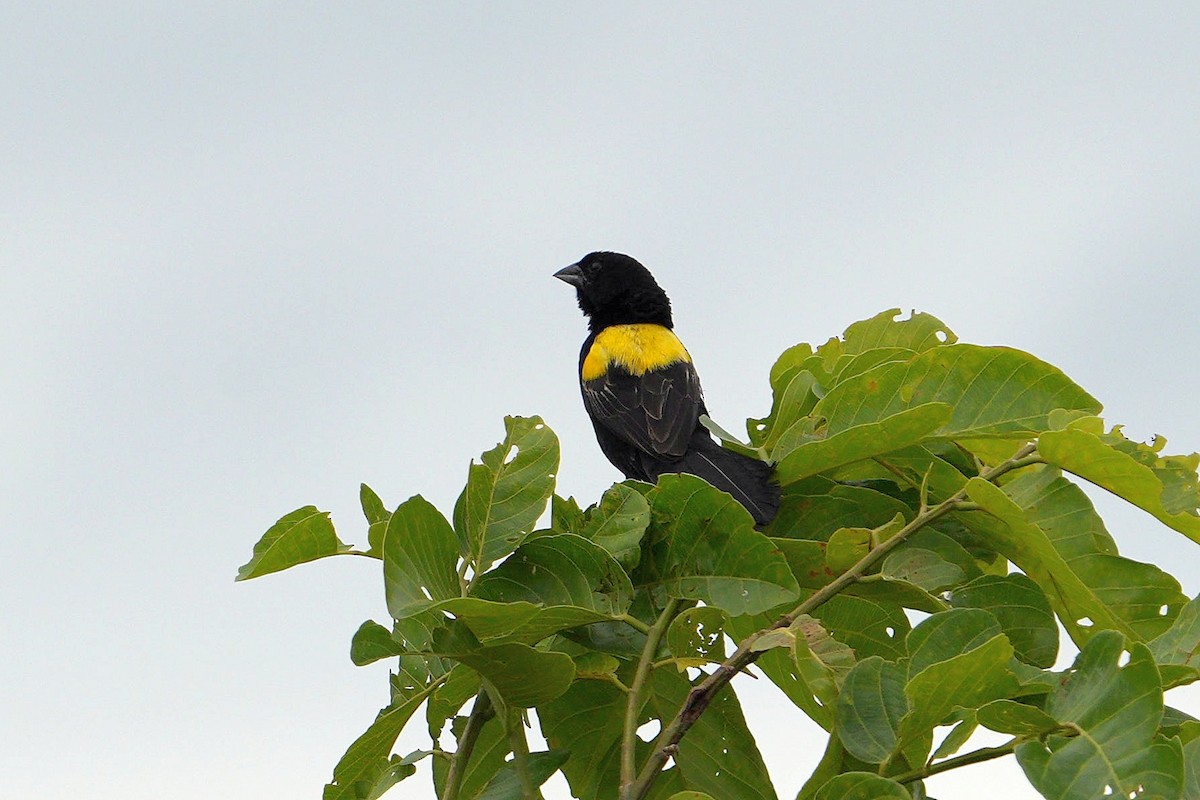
x: 481, y: 712
x: 974, y: 757
x: 633, y: 703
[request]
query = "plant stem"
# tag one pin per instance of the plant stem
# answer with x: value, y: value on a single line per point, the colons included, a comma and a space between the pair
x: 974, y: 757
x: 703, y: 693
x: 633, y: 704
x: 635, y: 623
x: 481, y: 712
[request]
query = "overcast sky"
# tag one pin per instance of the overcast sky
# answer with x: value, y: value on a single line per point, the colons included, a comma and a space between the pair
x: 252, y: 255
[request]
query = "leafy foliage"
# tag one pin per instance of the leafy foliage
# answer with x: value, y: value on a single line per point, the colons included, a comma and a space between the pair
x: 929, y: 548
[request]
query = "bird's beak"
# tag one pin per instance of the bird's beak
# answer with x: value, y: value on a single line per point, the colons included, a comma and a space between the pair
x: 571, y: 275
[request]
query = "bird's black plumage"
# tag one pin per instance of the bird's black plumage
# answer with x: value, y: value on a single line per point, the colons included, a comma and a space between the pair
x: 641, y: 389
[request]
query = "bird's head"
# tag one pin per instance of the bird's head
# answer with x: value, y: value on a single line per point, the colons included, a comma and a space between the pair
x: 614, y: 289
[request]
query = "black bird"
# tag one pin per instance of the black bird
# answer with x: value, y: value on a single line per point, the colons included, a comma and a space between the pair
x: 641, y: 390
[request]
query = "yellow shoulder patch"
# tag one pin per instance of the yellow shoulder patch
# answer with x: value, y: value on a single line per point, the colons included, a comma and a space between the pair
x: 638, y: 348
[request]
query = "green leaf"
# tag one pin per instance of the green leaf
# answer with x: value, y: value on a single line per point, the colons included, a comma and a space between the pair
x: 698, y: 636
x: 993, y: 391
x: 524, y: 677
x: 396, y: 771
x: 1027, y: 546
x: 704, y: 547
x: 486, y: 761
x: 1018, y: 719
x: 1142, y: 595
x: 869, y: 627
x: 794, y: 393
x: 821, y: 661
x: 1021, y: 608
x: 718, y: 755
x: 419, y: 557
x: 587, y: 720
x: 560, y: 570
x: 798, y: 458
x: 814, y: 508
x: 1116, y: 710
x: 923, y: 568
x: 1112, y: 467
x: 1180, y: 644
x: 920, y: 332
x: 377, y: 518
x: 846, y: 548
x: 372, y: 642
x: 595, y: 665
x: 565, y: 514
x: 780, y: 667
x: 618, y: 523
x: 959, y: 659
x: 499, y: 622
x: 507, y: 784
x: 366, y: 760
x: 861, y: 786
x: 869, y: 709
x: 690, y: 796
x: 957, y: 737
x: 461, y: 684
x: 304, y: 535
x: 506, y: 492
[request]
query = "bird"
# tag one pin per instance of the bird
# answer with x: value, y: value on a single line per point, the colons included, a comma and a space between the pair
x: 641, y: 390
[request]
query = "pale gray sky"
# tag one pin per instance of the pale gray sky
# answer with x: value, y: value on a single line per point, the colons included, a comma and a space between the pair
x: 253, y: 254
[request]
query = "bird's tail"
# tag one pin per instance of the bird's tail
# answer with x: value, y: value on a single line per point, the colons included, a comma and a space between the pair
x: 747, y: 479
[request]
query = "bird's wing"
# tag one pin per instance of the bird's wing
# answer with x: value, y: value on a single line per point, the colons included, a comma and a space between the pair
x: 655, y: 412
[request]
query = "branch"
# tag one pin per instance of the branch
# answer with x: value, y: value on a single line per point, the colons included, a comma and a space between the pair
x: 481, y: 712
x: 633, y: 703
x: 703, y: 693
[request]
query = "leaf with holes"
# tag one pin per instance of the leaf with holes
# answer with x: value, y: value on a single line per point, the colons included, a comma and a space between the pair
x: 1180, y: 644
x: 697, y: 636
x: 618, y: 523
x: 1104, y: 462
x: 1142, y: 595
x: 992, y: 391
x: 1116, y: 711
x: 1027, y: 546
x: 868, y: 626
x: 506, y: 492
x: 821, y: 661
x: 304, y: 535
